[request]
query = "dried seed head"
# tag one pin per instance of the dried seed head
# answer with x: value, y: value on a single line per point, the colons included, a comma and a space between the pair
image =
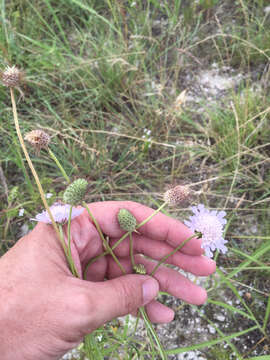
x: 126, y: 220
x: 39, y: 139
x: 177, y: 194
x: 12, y: 76
x: 75, y: 192
x: 139, y: 269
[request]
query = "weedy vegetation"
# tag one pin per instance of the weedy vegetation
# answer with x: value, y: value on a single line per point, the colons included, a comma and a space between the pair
x: 121, y: 88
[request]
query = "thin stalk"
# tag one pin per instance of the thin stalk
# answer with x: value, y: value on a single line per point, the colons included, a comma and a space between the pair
x: 63, y: 241
x: 151, y: 331
x: 107, y: 247
x: 131, y: 253
x: 162, y: 261
x: 59, y: 165
x: 29, y: 161
x: 71, y: 262
x: 67, y: 254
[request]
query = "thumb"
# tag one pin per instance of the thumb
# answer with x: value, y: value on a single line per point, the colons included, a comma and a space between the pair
x: 119, y: 297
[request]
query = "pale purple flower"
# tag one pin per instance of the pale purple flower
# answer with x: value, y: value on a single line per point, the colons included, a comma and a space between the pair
x: 210, y: 225
x: 60, y: 214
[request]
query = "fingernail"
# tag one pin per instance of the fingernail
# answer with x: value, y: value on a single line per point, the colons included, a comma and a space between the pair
x: 150, y: 289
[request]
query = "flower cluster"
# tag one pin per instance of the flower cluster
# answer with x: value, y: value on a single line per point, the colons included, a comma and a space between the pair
x: 209, y: 224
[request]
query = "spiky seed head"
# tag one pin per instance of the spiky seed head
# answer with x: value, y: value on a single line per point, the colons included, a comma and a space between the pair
x: 75, y: 192
x: 139, y: 269
x: 12, y: 76
x: 39, y: 139
x: 126, y: 220
x: 177, y: 195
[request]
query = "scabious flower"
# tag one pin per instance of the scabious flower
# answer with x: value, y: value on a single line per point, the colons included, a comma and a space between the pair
x: 12, y: 76
x: 209, y: 224
x: 60, y: 214
x: 176, y: 195
x: 39, y: 139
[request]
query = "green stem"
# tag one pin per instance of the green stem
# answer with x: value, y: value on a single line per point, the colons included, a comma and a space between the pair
x: 107, y: 247
x: 59, y: 165
x: 162, y: 261
x: 67, y: 253
x: 62, y: 240
x: 152, y: 332
x: 131, y: 253
x: 126, y: 234
x: 40, y: 189
x: 71, y: 262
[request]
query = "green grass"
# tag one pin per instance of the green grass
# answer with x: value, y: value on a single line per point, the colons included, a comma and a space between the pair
x: 99, y: 75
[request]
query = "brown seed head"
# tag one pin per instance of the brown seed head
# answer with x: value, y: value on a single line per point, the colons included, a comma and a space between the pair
x: 12, y: 76
x: 39, y: 139
x: 177, y: 194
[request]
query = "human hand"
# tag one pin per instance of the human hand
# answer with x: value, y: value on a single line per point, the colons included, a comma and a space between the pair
x: 46, y: 311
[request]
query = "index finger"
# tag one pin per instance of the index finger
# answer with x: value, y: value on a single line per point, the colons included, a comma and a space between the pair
x: 160, y: 227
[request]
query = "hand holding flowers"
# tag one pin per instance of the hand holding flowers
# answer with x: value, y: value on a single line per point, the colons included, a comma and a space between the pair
x: 64, y: 308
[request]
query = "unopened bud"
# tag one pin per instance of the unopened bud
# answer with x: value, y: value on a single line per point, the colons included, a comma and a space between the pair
x: 12, y: 76
x: 139, y: 269
x: 126, y: 220
x: 39, y: 139
x: 177, y: 194
x: 75, y: 192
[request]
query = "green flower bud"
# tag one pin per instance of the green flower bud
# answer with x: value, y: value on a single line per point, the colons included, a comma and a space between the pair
x: 126, y: 220
x: 75, y: 192
x: 139, y: 269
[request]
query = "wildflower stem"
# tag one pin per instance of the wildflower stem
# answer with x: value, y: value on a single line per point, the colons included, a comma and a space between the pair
x: 71, y: 262
x: 131, y: 253
x: 162, y: 261
x: 29, y: 161
x: 63, y: 241
x: 59, y: 165
x: 105, y: 243
x: 151, y: 216
x: 152, y: 332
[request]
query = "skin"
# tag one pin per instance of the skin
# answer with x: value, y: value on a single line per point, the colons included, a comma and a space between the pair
x: 45, y: 311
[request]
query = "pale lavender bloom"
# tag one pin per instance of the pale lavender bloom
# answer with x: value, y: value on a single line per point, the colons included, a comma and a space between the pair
x: 60, y: 214
x: 210, y: 225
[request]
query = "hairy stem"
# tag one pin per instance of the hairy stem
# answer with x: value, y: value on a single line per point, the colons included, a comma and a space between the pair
x: 59, y: 165
x: 162, y: 261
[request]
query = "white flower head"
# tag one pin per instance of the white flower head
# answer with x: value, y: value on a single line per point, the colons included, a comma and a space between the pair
x: 21, y: 212
x: 210, y: 225
x: 60, y: 214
